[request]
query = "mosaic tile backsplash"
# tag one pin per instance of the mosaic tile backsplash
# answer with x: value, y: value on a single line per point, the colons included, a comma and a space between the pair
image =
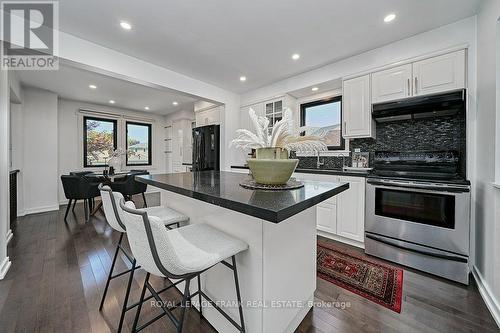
x: 441, y: 133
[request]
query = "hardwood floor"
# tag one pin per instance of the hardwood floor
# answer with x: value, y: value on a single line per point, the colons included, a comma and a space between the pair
x: 59, y: 271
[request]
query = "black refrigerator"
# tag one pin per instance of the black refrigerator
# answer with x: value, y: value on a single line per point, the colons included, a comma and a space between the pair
x: 206, y: 148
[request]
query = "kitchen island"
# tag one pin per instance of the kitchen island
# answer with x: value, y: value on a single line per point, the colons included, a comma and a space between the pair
x: 278, y: 271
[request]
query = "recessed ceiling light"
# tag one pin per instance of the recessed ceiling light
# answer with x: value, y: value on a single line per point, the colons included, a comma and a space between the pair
x: 175, y: 103
x: 111, y: 101
x: 92, y: 86
x: 243, y: 78
x: 389, y: 18
x: 314, y: 88
x: 295, y: 56
x: 146, y: 108
x: 125, y: 25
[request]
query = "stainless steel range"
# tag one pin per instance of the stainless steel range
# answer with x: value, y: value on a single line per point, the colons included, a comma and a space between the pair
x: 418, y: 212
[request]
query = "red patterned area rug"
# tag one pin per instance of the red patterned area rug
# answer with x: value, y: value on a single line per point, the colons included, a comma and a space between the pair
x: 380, y: 283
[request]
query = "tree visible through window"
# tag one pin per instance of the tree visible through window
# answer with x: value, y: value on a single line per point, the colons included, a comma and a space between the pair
x: 325, y: 115
x: 99, y: 140
x: 138, y: 144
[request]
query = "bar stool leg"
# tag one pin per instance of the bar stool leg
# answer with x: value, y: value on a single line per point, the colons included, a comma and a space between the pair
x: 111, y: 272
x: 74, y: 204
x: 141, y: 300
x: 199, y: 296
x: 144, y: 199
x: 127, y: 293
x: 67, y: 209
x: 184, y: 305
x: 238, y: 295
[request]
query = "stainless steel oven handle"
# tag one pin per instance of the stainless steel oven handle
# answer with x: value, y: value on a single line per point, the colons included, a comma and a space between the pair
x: 412, y: 185
x: 427, y: 253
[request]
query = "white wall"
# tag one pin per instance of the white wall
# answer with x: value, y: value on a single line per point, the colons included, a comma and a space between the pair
x: 85, y: 54
x: 40, y: 150
x: 17, y: 155
x: 487, y: 196
x: 70, y: 133
x: 183, y: 114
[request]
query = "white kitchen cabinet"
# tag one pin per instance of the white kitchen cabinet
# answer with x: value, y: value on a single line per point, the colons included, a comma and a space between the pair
x: 326, y: 217
x: 439, y: 74
x: 351, y: 209
x: 341, y: 217
x: 208, y: 117
x: 433, y: 75
x: 181, y: 142
x: 356, y: 108
x: 392, y: 84
x: 245, y: 121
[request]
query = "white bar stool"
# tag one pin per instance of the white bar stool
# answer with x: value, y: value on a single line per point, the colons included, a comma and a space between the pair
x: 114, y: 216
x: 183, y: 254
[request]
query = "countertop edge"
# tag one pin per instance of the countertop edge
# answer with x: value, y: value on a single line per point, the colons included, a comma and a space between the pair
x: 264, y: 214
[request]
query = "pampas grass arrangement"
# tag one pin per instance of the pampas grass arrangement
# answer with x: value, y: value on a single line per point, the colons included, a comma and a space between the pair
x: 284, y: 135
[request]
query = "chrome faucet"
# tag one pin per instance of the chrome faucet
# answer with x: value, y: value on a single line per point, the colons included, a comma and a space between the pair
x: 319, y: 164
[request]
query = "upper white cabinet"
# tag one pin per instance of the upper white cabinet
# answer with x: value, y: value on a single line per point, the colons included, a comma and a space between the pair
x: 272, y: 109
x: 245, y: 121
x: 391, y: 84
x: 429, y: 76
x: 208, y: 117
x: 439, y: 74
x: 356, y: 108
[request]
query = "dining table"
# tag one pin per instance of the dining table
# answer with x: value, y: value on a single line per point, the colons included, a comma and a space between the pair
x: 106, y: 179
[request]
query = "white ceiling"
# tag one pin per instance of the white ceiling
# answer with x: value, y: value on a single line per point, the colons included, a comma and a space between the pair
x: 217, y: 41
x: 73, y: 83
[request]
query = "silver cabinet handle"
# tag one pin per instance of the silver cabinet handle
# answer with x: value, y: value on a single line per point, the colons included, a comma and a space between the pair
x: 416, y: 85
x: 409, y: 90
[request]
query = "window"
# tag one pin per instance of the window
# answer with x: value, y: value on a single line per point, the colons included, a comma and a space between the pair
x: 138, y: 144
x: 99, y: 141
x: 325, y: 115
x: 274, y: 112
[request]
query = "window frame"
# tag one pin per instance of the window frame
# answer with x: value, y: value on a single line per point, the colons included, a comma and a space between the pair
x: 115, y: 138
x: 303, y: 111
x: 150, y: 143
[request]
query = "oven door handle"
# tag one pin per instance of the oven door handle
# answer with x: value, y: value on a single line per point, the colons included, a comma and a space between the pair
x: 411, y: 185
x: 427, y: 253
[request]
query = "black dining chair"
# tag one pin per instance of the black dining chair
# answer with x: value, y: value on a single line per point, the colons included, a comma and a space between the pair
x: 79, y: 188
x: 129, y: 186
x: 94, y: 180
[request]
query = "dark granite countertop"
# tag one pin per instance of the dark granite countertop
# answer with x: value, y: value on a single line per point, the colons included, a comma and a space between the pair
x: 334, y: 172
x: 222, y: 189
x: 14, y: 171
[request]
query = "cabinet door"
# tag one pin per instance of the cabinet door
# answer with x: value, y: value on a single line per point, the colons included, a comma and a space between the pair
x: 439, y: 74
x: 356, y: 108
x: 245, y: 121
x: 351, y: 209
x: 177, y: 141
x: 326, y: 217
x: 391, y: 84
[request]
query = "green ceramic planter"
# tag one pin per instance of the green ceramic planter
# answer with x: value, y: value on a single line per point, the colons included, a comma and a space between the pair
x: 271, y: 153
x: 272, y: 166
x: 272, y: 172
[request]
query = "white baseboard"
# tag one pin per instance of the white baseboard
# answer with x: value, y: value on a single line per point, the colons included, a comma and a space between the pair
x: 4, y: 267
x: 341, y: 239
x: 489, y: 298
x: 41, y: 209
x: 8, y: 237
